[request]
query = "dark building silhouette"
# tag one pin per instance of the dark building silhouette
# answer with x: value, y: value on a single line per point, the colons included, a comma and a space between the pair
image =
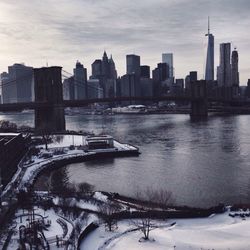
x: 145, y: 71
x: 105, y: 71
x: 235, y: 74
x: 69, y: 88
x: 134, y: 71
x: 178, y: 87
x: 235, y: 68
x: 80, y: 81
x: 160, y: 74
x: 209, y: 74
x: 17, y: 84
x: 96, y: 69
x: 146, y: 87
x: 193, y: 76
x: 128, y: 88
x: 133, y: 65
x: 224, y: 69
x: 247, y: 92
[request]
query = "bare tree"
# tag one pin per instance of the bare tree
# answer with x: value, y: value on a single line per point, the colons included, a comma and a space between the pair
x: 84, y: 189
x: 145, y: 225
x: 149, y: 199
x: 46, y: 135
x: 108, y: 213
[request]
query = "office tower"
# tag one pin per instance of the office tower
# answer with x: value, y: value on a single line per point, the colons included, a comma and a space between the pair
x: 209, y: 74
x: 128, y: 87
x: 145, y: 71
x: 160, y: 74
x: 146, y: 87
x: 187, y: 83
x: 17, y: 84
x: 96, y: 69
x: 105, y: 65
x: 105, y: 71
x: 94, y: 89
x: 235, y: 68
x: 224, y: 69
x: 177, y: 88
x: 133, y: 65
x: 193, y: 76
x: 134, y: 70
x: 80, y: 81
x: 179, y: 83
x: 69, y: 88
x: 112, y: 73
x: 169, y: 59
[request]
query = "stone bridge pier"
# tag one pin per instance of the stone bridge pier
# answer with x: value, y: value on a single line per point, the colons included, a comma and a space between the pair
x: 199, y: 105
x: 48, y: 89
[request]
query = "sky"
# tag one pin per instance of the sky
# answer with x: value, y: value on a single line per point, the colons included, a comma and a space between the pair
x: 60, y: 32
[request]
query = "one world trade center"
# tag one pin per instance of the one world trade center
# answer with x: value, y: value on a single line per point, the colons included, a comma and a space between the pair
x: 209, y: 75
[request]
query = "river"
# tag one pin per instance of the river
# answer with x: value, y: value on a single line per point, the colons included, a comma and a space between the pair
x: 201, y: 163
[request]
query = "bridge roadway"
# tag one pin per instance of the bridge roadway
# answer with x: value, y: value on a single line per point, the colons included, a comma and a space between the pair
x: 82, y: 103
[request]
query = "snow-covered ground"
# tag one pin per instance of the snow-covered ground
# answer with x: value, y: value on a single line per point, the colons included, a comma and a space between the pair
x: 80, y: 140
x: 55, y: 229
x: 67, y: 140
x: 218, y: 232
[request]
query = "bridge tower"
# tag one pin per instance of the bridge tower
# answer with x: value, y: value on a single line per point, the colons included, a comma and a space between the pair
x: 48, y: 89
x: 199, y: 107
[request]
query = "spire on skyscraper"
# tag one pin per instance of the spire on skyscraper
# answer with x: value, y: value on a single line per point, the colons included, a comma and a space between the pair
x: 208, y: 27
x: 209, y: 74
x: 105, y: 54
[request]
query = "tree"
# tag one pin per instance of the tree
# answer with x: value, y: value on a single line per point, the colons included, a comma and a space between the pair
x: 84, y: 189
x: 149, y: 199
x: 108, y: 213
x: 7, y: 126
x: 46, y: 134
x: 145, y: 225
x: 59, y: 182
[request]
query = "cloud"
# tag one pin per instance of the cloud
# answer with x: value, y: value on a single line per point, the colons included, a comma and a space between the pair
x: 66, y: 30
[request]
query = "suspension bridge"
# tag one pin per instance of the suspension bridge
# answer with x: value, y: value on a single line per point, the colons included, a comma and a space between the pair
x: 49, y: 104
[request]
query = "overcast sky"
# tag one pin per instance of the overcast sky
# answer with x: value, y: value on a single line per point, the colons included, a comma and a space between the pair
x: 63, y: 31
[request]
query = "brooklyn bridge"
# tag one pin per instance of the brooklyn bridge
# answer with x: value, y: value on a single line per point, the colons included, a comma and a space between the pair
x: 49, y: 104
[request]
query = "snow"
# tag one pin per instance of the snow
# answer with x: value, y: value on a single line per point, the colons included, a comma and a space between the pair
x: 67, y: 140
x: 121, y: 146
x: 219, y: 232
x: 36, y: 164
x: 9, y: 134
x: 100, y: 196
x: 55, y: 229
x: 84, y: 204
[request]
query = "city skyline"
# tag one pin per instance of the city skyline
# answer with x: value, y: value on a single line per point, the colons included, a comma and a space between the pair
x: 81, y: 30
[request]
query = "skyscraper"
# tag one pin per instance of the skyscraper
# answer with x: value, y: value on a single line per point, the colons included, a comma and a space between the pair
x: 235, y: 68
x: 80, y: 81
x: 169, y: 59
x: 96, y: 69
x: 224, y: 69
x: 17, y: 84
x: 133, y: 65
x: 145, y: 71
x: 134, y: 70
x: 209, y: 75
x: 160, y: 74
x: 105, y: 71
